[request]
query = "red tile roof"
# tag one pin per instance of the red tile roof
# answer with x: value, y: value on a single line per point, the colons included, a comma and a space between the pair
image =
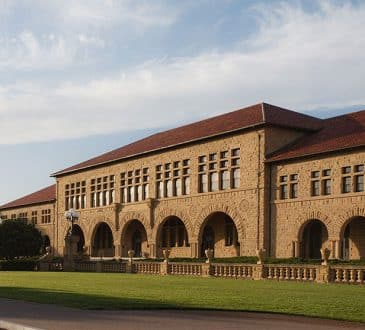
x: 251, y: 116
x: 42, y: 196
x: 338, y: 133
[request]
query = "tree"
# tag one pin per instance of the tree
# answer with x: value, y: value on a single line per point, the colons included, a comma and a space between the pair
x: 19, y: 239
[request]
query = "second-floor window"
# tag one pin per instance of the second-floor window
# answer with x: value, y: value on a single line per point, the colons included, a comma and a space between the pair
x: 219, y: 171
x: 288, y: 186
x: 102, y: 191
x: 353, y: 179
x: 46, y: 216
x: 173, y: 179
x: 321, y: 182
x: 135, y: 185
x: 75, y: 195
x: 34, y: 217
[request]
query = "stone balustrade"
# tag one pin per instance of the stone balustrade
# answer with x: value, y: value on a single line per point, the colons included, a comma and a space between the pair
x: 232, y: 270
x: 324, y: 273
x: 182, y: 268
x: 146, y: 267
x: 85, y: 266
x: 348, y: 274
x: 291, y: 272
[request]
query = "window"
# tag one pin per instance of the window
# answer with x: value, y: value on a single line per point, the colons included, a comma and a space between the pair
x: 353, y: 181
x: 134, y: 185
x: 346, y: 184
x: 316, y: 191
x: 173, y: 179
x: 34, y: 217
x: 46, y: 216
x: 102, y: 191
x: 284, y: 192
x: 75, y: 195
x: 288, y: 186
x: 359, y: 183
x: 327, y: 187
x: 23, y: 216
x: 219, y: 171
x: 321, y: 183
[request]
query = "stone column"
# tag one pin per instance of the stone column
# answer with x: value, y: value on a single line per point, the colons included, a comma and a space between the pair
x: 118, y: 251
x: 194, y: 249
x: 295, y: 247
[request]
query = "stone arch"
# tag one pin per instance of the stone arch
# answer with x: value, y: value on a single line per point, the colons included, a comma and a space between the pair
x: 313, y: 235
x: 219, y: 233
x: 128, y: 238
x: 102, y: 240
x: 46, y: 243
x: 236, y: 217
x: 345, y: 218
x: 65, y: 230
x: 162, y: 216
x: 140, y: 216
x: 352, y: 236
x: 301, y: 221
x: 92, y: 225
x: 77, y: 231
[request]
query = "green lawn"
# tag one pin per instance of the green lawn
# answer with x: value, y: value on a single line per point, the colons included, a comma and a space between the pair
x: 125, y: 291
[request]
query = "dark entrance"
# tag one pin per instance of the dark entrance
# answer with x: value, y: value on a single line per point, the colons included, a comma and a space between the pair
x: 314, y: 234
x: 137, y: 243
x: 208, y: 240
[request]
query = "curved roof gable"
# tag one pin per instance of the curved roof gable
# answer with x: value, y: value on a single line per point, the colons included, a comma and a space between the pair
x: 338, y: 133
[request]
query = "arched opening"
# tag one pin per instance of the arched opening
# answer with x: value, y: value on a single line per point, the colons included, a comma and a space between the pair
x: 46, y: 243
x: 314, y: 235
x: 134, y: 237
x: 219, y: 233
x: 208, y: 239
x: 103, y: 243
x: 353, y: 239
x: 77, y: 231
x: 173, y: 236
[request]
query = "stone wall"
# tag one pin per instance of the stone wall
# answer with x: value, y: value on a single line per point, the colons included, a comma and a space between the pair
x: 289, y: 217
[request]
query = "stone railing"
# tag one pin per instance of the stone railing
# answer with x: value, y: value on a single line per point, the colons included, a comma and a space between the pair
x: 232, y: 270
x: 146, y: 267
x: 291, y: 272
x: 348, y: 274
x: 50, y: 265
x: 321, y: 273
x: 184, y: 268
x: 85, y: 266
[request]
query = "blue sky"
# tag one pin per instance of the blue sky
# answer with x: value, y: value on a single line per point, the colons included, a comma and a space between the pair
x: 78, y: 78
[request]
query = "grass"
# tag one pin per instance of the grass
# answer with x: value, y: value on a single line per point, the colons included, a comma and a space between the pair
x: 126, y: 291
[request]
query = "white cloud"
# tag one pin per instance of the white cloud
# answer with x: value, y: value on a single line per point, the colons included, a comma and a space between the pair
x: 138, y: 14
x: 297, y: 59
x: 26, y: 51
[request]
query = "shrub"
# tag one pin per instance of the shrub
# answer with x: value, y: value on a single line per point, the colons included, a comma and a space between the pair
x: 18, y: 264
x: 19, y: 239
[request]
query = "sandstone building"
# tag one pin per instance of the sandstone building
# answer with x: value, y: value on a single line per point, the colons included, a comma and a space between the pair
x: 260, y: 177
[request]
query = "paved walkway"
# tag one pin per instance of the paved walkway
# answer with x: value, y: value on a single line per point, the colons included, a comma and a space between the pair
x: 55, y: 317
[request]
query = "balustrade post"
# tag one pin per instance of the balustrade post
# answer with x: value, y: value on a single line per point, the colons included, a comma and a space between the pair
x: 99, y: 266
x: 165, y: 269
x: 129, y: 266
x: 323, y: 274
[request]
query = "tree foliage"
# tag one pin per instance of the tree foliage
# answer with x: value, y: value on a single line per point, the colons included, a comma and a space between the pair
x: 19, y: 239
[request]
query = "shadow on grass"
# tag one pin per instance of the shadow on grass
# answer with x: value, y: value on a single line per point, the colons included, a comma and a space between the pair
x: 82, y: 300
x: 98, y: 309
